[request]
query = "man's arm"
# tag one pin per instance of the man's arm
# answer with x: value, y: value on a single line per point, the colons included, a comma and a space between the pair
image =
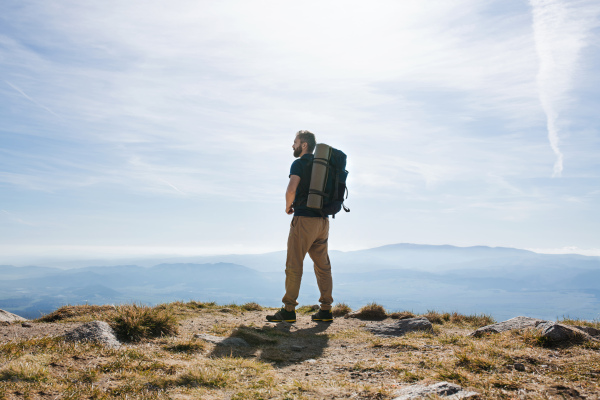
x: 290, y: 193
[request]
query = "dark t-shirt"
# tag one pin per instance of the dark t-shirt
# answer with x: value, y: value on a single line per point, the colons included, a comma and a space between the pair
x: 302, y: 167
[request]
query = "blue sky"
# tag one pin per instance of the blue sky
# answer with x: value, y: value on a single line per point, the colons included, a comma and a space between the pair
x: 142, y: 128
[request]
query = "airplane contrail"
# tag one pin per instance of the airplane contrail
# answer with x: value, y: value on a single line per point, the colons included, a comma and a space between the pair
x: 560, y: 31
x: 30, y: 99
x: 171, y: 185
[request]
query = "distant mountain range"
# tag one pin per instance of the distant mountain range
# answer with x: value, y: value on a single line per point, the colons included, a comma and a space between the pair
x: 503, y: 282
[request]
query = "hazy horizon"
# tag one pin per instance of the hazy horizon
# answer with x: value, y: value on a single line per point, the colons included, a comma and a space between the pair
x: 81, y: 254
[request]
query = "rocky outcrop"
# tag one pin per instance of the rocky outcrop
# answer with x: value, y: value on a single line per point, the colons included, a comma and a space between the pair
x: 7, y: 318
x: 95, y: 331
x: 554, y: 332
x: 445, y: 390
x: 558, y: 333
x: 509, y: 325
x: 400, y: 327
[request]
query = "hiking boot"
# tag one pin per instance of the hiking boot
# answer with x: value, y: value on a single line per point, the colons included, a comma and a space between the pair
x: 323, y: 316
x: 282, y: 315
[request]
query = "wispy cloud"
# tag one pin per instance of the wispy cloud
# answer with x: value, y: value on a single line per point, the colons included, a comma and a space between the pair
x: 31, y: 99
x: 561, y: 29
x: 12, y: 217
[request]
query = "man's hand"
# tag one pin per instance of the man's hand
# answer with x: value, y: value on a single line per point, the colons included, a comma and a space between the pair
x: 289, y: 210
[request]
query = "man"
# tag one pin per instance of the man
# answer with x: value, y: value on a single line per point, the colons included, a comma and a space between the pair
x: 309, y: 232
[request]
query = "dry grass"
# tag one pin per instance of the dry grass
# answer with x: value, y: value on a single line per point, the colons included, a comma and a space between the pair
x: 340, y: 310
x: 350, y: 361
x: 402, y: 315
x: 305, y: 310
x: 252, y: 307
x: 579, y: 322
x: 78, y: 313
x: 190, y: 345
x: 371, y: 312
x: 475, y: 320
x: 135, y: 322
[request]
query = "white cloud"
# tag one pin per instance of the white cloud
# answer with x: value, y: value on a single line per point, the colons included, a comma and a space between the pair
x: 561, y: 30
x: 569, y: 250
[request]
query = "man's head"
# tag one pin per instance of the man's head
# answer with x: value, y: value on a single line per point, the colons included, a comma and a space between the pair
x: 304, y: 143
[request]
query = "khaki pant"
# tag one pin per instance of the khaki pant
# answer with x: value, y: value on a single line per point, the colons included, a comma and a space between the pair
x: 308, y: 235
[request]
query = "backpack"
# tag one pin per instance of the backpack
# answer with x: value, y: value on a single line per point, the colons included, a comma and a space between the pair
x: 328, y: 181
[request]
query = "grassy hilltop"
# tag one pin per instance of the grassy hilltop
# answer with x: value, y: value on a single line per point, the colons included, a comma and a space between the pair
x: 162, y: 358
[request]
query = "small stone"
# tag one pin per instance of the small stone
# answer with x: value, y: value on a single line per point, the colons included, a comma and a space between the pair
x: 400, y: 327
x: 311, y: 361
x: 296, y: 347
x: 519, y: 367
x: 95, y: 331
x: 27, y: 325
x: 306, y: 374
x: 387, y: 356
x: 441, y: 389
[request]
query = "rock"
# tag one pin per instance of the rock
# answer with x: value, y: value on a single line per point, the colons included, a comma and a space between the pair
x: 511, y: 324
x: 27, y: 325
x: 400, y: 327
x: 519, y: 367
x: 221, y: 341
x: 445, y: 390
x: 561, y: 333
x: 589, y: 330
x: 95, y: 331
x: 296, y: 347
x: 9, y: 317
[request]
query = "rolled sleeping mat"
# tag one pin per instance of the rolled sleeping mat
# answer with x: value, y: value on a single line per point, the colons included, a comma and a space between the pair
x: 318, y: 178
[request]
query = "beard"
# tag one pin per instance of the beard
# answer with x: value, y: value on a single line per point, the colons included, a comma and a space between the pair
x: 297, y: 152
